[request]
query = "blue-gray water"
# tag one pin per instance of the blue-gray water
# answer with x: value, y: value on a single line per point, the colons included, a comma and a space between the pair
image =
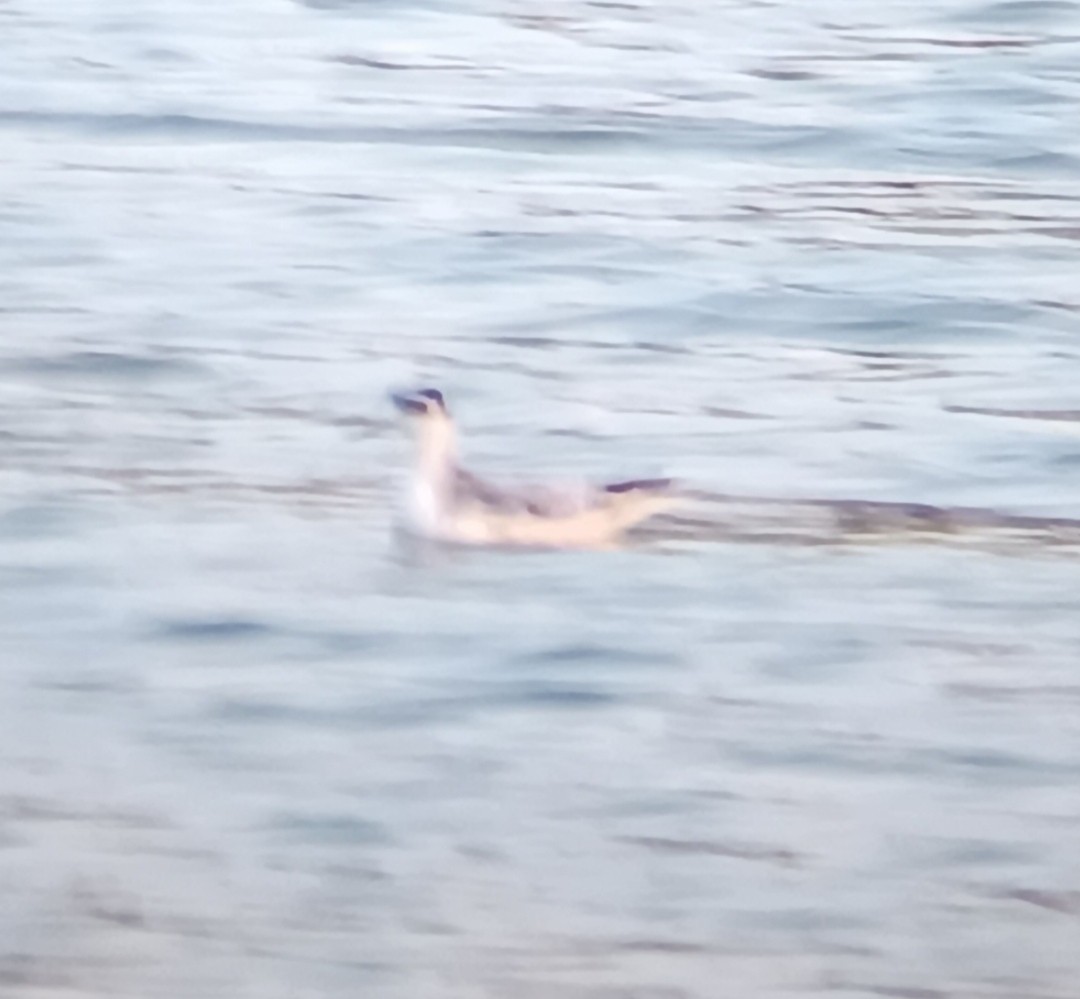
x: 820, y: 254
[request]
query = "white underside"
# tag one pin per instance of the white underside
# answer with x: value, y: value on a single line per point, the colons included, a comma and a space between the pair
x: 424, y: 513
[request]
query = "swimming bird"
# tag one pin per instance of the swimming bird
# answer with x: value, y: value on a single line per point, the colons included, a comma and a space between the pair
x: 446, y: 502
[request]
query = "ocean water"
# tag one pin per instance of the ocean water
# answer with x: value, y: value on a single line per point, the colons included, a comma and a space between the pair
x: 817, y: 734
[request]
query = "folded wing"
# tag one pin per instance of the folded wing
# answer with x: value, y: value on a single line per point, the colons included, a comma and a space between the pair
x: 551, y: 501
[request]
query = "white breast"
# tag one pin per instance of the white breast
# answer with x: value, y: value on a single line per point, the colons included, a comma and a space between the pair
x: 423, y: 508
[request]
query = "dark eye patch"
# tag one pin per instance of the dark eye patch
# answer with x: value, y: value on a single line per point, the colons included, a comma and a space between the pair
x: 434, y: 395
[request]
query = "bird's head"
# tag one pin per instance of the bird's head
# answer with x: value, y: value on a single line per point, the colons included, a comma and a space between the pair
x: 426, y: 416
x: 422, y: 404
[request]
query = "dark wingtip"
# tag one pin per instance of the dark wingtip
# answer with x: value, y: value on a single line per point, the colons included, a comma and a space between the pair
x: 640, y: 485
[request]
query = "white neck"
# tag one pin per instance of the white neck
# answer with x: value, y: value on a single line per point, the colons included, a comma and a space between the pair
x: 436, y: 450
x: 431, y: 488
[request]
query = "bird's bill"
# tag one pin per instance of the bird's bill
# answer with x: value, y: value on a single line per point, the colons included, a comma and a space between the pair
x: 408, y: 404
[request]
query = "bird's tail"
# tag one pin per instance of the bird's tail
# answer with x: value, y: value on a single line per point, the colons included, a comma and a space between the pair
x: 638, y: 499
x: 640, y: 486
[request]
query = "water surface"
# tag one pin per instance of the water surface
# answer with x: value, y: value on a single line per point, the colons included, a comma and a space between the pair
x: 816, y: 736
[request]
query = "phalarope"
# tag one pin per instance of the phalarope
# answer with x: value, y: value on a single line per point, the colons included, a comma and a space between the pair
x: 447, y: 502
